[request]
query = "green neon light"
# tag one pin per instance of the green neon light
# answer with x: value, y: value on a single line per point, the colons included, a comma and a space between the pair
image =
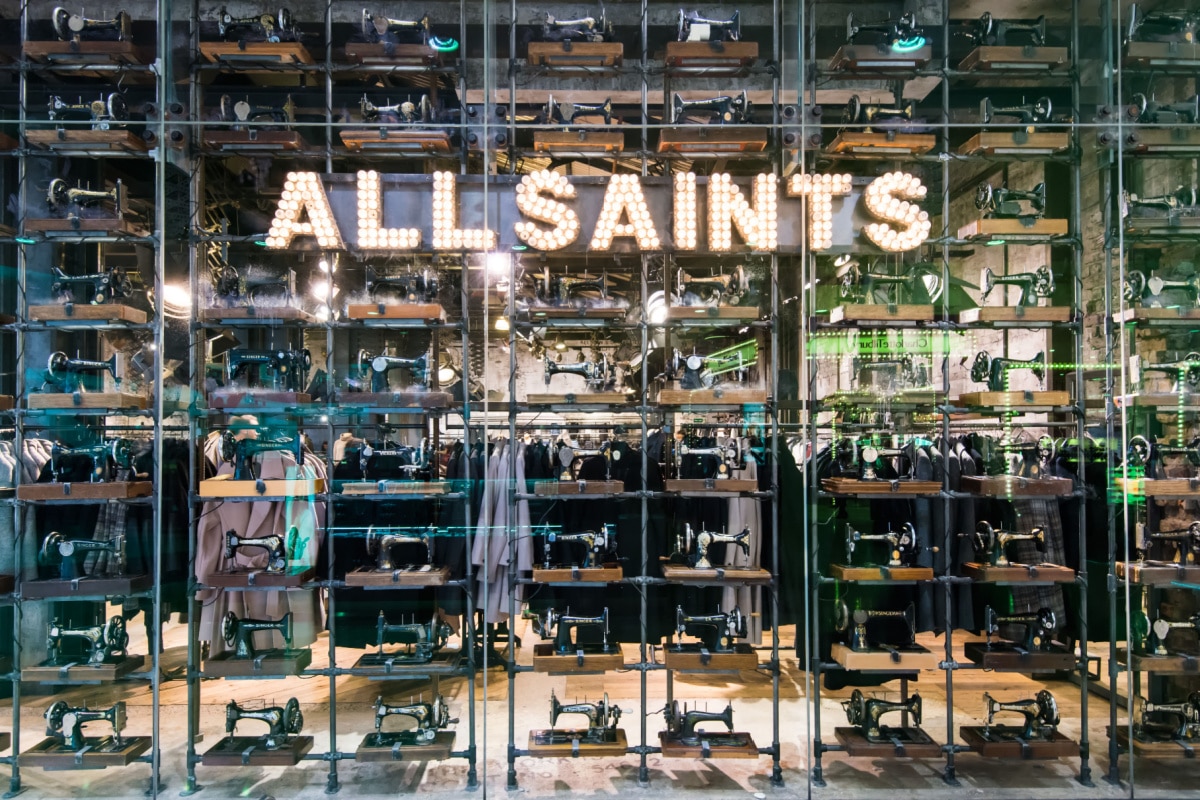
x: 908, y: 45
x: 443, y: 45
x: 25, y: 240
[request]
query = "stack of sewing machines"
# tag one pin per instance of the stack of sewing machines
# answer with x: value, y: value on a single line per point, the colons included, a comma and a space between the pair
x: 422, y: 647
x: 601, y: 737
x: 281, y: 745
x: 428, y: 740
x: 574, y: 643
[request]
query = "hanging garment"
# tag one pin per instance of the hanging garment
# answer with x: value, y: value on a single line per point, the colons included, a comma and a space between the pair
x: 746, y: 512
x: 1040, y: 514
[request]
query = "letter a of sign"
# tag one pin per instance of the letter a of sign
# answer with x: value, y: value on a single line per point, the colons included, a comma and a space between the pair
x: 304, y: 193
x: 622, y: 199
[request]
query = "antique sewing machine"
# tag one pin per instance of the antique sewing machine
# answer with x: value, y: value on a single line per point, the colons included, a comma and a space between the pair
x: 1040, y: 712
x: 1138, y: 288
x: 274, y: 28
x: 379, y: 29
x: 407, y: 287
x: 602, y: 723
x: 865, y: 712
x: 430, y: 718
x: 1184, y: 724
x: 104, y: 644
x: 382, y: 463
x: 1164, y: 25
x: 902, y: 544
x: 729, y: 457
x: 554, y: 114
x: 722, y: 289
x: 855, y: 624
x: 1039, y: 283
x: 682, y: 723
x: 693, y: 27
x: 381, y: 541
x: 67, y: 373
x: 571, y: 291
x: 241, y: 452
x: 1149, y: 111
x: 900, y: 35
x: 598, y: 374
x: 282, y: 723
x: 77, y: 28
x: 65, y: 722
x: 598, y: 546
x: 869, y: 456
x: 581, y: 29
x: 1027, y: 459
x: 994, y: 371
x: 242, y: 111
x: 715, y: 631
x: 873, y: 118
x: 1186, y: 542
x: 720, y: 110
x: 108, y: 112
x: 903, y: 372
x: 695, y: 371
x: 407, y: 112
x: 1163, y: 627
x: 1149, y: 453
x: 992, y: 32
x: 288, y: 368
x: 1032, y: 115
x: 917, y: 283
x: 1039, y: 630
x: 560, y: 627
x: 1185, y: 372
x: 421, y: 640
x: 274, y: 544
x: 239, y: 634
x: 379, y: 366
x: 67, y: 552
x: 233, y: 288
x: 692, y: 549
x: 107, y: 458
x: 64, y: 199
x: 1004, y: 203
x: 107, y: 284
x: 993, y: 544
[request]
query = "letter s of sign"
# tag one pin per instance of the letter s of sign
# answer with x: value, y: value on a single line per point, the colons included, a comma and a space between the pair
x: 887, y: 198
x: 532, y: 203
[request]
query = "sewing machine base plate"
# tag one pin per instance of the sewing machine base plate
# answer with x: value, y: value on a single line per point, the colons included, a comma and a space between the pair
x: 1160, y: 487
x: 1001, y: 742
x: 1170, y: 664
x: 677, y: 573
x: 911, y: 659
x: 263, y: 314
x: 1013, y: 399
x: 1158, y: 573
x: 546, y: 660
x: 245, y: 578
x: 91, y: 586
x: 1153, y: 748
x: 114, y: 400
x: 1004, y: 143
x: 880, y: 574
x: 382, y: 139
x: 881, y: 312
x: 1008, y: 486
x: 713, y: 140
x: 99, y: 752
x: 265, y: 663
x: 72, y: 312
x: 673, y: 748
x: 254, y: 398
x: 1005, y: 657
x: 869, y: 58
x: 397, y: 399
x: 247, y: 751
x: 881, y: 144
x: 47, y: 672
x: 1180, y: 55
x: 394, y: 487
x: 908, y: 743
x: 88, y: 52
x: 1014, y: 230
x: 1014, y: 314
x: 393, y: 55
x: 720, y: 58
x: 551, y: 744
x: 854, y: 486
x: 712, y: 397
x: 79, y: 139
x: 1145, y: 139
x: 581, y: 399
x: 1184, y: 315
x: 578, y: 312
x: 1018, y: 573
x: 713, y: 314
x: 112, y: 490
x: 272, y: 141
x: 1034, y: 60
x: 226, y: 486
x: 578, y: 141
x: 556, y: 488
x: 376, y: 665
x: 698, y: 486
x: 412, y: 312
x: 609, y: 573
x: 690, y: 658
x: 388, y: 747
x: 579, y: 55
x: 274, y: 53
x: 370, y: 578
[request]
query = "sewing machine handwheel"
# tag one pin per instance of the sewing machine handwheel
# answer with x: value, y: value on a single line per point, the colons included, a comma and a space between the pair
x: 1138, y: 450
x: 121, y: 451
x: 116, y: 106
x: 981, y: 367
x: 115, y: 635
x: 293, y: 719
x: 856, y: 708
x: 1048, y: 707
x: 62, y: 20
x: 1135, y: 286
x: 228, y: 447
x: 984, y: 196
x: 229, y: 627
x: 49, y: 545
x: 285, y: 20
x: 853, y: 109
x: 841, y: 617
x: 54, y: 715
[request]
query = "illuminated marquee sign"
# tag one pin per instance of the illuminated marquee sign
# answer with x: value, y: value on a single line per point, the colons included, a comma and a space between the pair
x: 550, y: 212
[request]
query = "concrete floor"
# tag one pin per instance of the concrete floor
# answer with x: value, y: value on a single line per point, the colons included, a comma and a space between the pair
x: 716, y: 779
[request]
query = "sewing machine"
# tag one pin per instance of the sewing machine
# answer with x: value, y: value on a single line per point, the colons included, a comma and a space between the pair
x: 406, y: 287
x: 869, y: 456
x: 1039, y: 283
x: 1148, y: 111
x: 554, y: 114
x: 1148, y: 454
x: 904, y: 372
x: 917, y: 283
x: 729, y: 456
x: 1031, y: 115
x: 875, y: 118
x: 231, y: 287
x: 714, y: 291
x: 993, y: 544
x: 1028, y: 459
x: 106, y: 457
x: 682, y: 723
x: 68, y: 551
x: 598, y: 374
x: 715, y: 631
x: 602, y: 722
x: 994, y: 371
x: 429, y: 717
x: 104, y: 644
x: 241, y: 452
x: 1039, y: 629
x: 691, y: 549
x: 239, y: 633
x: 108, y: 112
x: 1163, y: 25
x: 1186, y: 542
x: 865, y: 712
x: 992, y: 32
x: 694, y: 27
x: 67, y: 373
x: 900, y: 35
x: 103, y: 286
x: 1005, y: 203
x: 377, y: 29
x: 381, y: 541
x: 273, y: 28
x: 561, y: 627
x: 282, y: 723
x: 902, y: 544
x: 597, y: 546
x: 379, y: 366
x: 697, y: 371
x: 77, y: 28
x: 720, y: 110
x: 406, y: 112
x: 856, y: 625
x: 1140, y: 289
x: 243, y: 111
x: 1163, y: 627
x: 65, y: 722
x: 288, y: 368
x: 581, y: 29
x: 422, y: 640
x: 570, y: 291
x: 1040, y: 712
x: 1185, y: 724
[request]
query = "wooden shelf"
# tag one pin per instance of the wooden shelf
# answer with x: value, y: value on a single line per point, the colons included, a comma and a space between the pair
x: 265, y: 664
x: 1015, y: 143
x: 546, y: 660
x: 382, y: 665
x: 851, y: 486
x: 248, y: 751
x: 713, y: 59
x: 715, y: 314
x: 1170, y: 664
x: 712, y: 397
x: 992, y: 744
x: 881, y: 312
x: 1178, y: 55
x: 252, y: 139
x: 1183, y: 314
x: 254, y: 398
x: 677, y: 573
x: 98, y: 752
x: 578, y: 141
x: 1152, y: 748
x: 711, y: 140
x: 1158, y: 573
x: 80, y: 140
x: 883, y: 144
x: 225, y: 486
x: 673, y: 748
x: 1000, y: 58
x: 903, y: 743
x: 1005, y: 657
x: 387, y: 747
x: 412, y: 312
x: 870, y: 58
x: 564, y: 55
x: 1008, y: 486
x: 1004, y: 400
x: 113, y: 490
x: 397, y: 399
x: 1014, y: 230
x: 880, y: 574
x: 369, y: 578
x: 91, y: 586
x: 610, y: 573
x: 77, y: 54
x: 261, y: 53
x: 560, y: 488
x: 1014, y: 315
x: 386, y: 54
x: 1018, y: 573
x: 711, y: 486
x: 394, y: 140
x: 572, y: 312
x: 395, y: 488
x: 583, y: 399
x: 84, y: 312
x: 910, y: 659
x: 263, y: 314
x: 65, y: 227
x: 71, y: 673
x: 109, y: 400
x: 290, y: 578
x: 690, y: 659
x: 546, y: 744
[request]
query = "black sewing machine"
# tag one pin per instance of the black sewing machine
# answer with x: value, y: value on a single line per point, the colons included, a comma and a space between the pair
x: 108, y: 112
x: 1185, y: 542
x: 1004, y: 203
x: 407, y: 111
x: 1039, y: 283
x: 1041, y: 718
x: 1039, y: 627
x: 902, y: 372
x: 64, y: 724
x: 871, y: 456
x: 569, y: 114
x: 899, y: 35
x: 239, y: 634
x: 274, y: 28
x: 405, y: 287
x: 1148, y: 111
x: 602, y: 723
x: 1182, y: 723
x: 429, y: 717
x: 1033, y: 116
x: 580, y: 29
x: 599, y: 548
x: 421, y: 639
x: 720, y: 110
x: 598, y: 374
x: 241, y: 452
x: 855, y: 624
x: 730, y: 364
x: 233, y: 287
x: 865, y: 712
x: 993, y: 544
x: 1027, y: 459
x: 715, y: 291
x: 571, y: 291
x: 994, y: 371
x: 715, y: 631
x: 379, y: 29
x: 67, y: 373
x: 1149, y: 454
x: 992, y: 32
x: 68, y: 553
x: 920, y: 284
x: 694, y: 27
x: 107, y: 459
x: 282, y: 724
x: 381, y: 541
x: 682, y: 727
x: 691, y: 549
x: 561, y: 627
x: 77, y: 28
x: 900, y: 117
x: 902, y: 544
x: 1164, y: 25
x: 379, y: 367
x: 728, y: 455
x: 240, y: 112
x: 108, y: 284
x: 1150, y: 291
x: 102, y: 644
x: 288, y: 369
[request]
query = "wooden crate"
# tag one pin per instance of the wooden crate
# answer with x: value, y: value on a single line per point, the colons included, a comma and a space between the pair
x: 1015, y: 314
x: 397, y: 488
x: 690, y: 659
x: 908, y: 743
x: 393, y: 55
x: 72, y: 312
x: 398, y: 399
x: 712, y: 397
x: 65, y: 227
x: 1014, y: 229
x: 869, y: 58
x: 851, y: 486
x: 1146, y: 748
x: 880, y: 574
x: 92, y: 673
x: 881, y: 312
x: 382, y: 139
x: 113, y: 400
x: 1008, y: 486
x: 80, y: 140
x: 1003, y: 657
x: 538, y: 747
x: 1158, y: 573
x: 714, y: 314
x: 673, y: 748
x: 585, y: 55
x: 694, y: 486
x: 423, y: 313
x: 377, y: 665
x: 273, y: 53
x: 561, y: 488
x: 1181, y: 314
x: 248, y: 751
x: 911, y: 659
x: 883, y: 144
x: 290, y: 578
x: 1056, y: 745
x: 609, y: 573
x: 372, y: 749
x: 1033, y: 60
x: 113, y: 490
x: 91, y: 586
x: 1170, y: 664
x: 1176, y: 55
x: 677, y: 573
x: 225, y: 486
x: 713, y: 140
x: 1015, y: 143
x: 369, y: 578
x: 1144, y: 139
x: 1013, y: 399
x: 98, y: 752
x: 713, y: 59
x: 270, y: 141
x: 1163, y: 225
x: 578, y: 141
x: 546, y: 660
x: 1018, y: 573
x: 583, y: 398
x: 266, y: 664
x: 76, y: 54
x: 245, y: 398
